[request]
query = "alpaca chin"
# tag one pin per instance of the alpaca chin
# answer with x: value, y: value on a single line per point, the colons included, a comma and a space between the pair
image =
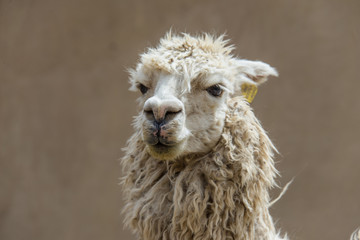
x: 163, y: 152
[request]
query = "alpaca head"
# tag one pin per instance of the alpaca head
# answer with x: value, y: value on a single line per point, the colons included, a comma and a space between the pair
x: 185, y: 84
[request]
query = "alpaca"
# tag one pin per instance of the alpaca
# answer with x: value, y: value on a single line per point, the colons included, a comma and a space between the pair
x: 199, y: 165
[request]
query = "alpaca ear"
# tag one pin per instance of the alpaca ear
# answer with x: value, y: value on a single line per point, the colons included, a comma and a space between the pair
x: 251, y: 73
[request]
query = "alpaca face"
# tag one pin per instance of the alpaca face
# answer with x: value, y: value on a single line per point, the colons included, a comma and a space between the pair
x: 185, y: 84
x: 175, y: 122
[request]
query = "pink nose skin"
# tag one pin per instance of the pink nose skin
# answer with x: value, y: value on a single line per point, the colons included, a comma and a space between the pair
x: 161, y: 110
x: 163, y: 132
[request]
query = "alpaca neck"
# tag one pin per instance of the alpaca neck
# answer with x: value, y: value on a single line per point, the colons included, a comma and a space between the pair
x: 220, y: 195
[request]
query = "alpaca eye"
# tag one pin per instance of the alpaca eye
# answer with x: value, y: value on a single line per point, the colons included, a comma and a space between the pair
x: 143, y: 89
x: 215, y: 90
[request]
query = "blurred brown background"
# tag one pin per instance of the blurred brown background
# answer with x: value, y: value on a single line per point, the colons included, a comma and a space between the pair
x: 65, y: 111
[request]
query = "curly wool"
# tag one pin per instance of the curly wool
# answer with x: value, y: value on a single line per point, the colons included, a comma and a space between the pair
x: 220, y: 195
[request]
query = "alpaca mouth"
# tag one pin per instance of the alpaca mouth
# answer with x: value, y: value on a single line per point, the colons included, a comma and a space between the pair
x: 162, y: 146
x: 160, y: 142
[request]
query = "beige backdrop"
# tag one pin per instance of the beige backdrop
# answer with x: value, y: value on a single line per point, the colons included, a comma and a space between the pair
x: 65, y: 111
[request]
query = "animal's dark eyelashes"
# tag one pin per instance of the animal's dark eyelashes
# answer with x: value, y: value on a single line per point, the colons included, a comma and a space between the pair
x: 215, y: 90
x: 143, y: 89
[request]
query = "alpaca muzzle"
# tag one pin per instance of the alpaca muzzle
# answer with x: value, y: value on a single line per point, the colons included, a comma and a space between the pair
x: 160, y: 133
x: 161, y: 140
x: 163, y: 136
x: 163, y: 116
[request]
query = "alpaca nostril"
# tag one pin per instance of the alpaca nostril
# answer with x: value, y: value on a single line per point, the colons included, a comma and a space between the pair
x: 162, y: 119
x: 149, y: 114
x: 172, y: 112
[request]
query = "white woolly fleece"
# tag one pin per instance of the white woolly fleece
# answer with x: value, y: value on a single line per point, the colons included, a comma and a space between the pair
x: 219, y: 193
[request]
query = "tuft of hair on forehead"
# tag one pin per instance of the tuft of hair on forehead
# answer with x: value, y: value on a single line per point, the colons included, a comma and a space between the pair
x: 206, y: 42
x: 188, y: 57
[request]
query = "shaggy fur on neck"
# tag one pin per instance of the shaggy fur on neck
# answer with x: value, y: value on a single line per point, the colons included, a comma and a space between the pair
x: 220, y: 195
